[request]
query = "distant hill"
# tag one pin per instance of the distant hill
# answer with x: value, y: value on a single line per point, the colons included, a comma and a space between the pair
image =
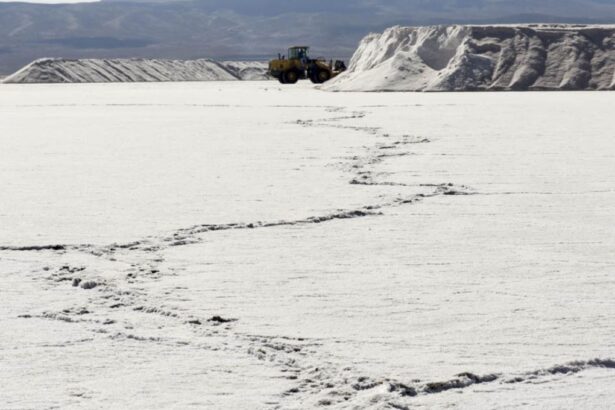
x: 239, y: 29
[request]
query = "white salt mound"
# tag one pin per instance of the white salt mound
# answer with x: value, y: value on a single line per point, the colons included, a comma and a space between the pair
x: 465, y: 58
x: 248, y: 70
x: 57, y: 70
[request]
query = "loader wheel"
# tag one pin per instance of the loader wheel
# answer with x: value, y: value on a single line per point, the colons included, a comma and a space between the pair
x: 281, y: 79
x: 290, y: 77
x: 323, y: 76
x: 320, y: 76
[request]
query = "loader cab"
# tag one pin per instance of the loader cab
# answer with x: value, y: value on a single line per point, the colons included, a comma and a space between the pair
x: 298, y: 53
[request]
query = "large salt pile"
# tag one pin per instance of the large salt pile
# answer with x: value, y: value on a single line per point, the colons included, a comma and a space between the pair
x: 464, y: 58
x: 53, y: 70
x: 247, y: 70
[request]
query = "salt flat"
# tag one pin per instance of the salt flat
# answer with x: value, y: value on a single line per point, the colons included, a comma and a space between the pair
x: 257, y: 246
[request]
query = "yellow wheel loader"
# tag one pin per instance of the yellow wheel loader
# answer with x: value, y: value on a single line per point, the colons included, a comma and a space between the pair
x: 299, y: 66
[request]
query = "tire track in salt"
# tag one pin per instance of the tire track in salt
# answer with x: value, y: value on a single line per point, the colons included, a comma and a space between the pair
x: 293, y: 356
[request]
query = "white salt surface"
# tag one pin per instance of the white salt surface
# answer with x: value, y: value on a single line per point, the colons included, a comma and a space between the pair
x: 326, y: 226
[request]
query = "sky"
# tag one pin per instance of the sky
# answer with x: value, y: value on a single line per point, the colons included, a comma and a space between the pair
x: 467, y: 2
x: 51, y: 1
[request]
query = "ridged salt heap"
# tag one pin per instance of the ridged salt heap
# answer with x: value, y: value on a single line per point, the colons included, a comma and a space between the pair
x: 466, y: 58
x: 57, y: 70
